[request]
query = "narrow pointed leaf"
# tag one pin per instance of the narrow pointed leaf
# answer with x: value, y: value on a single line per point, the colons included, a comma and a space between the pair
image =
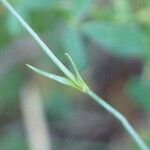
x: 74, y: 67
x: 80, y: 82
x: 57, y: 78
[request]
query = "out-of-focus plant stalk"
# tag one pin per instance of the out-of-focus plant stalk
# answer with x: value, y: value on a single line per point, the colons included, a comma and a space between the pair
x: 36, y: 126
x: 75, y: 80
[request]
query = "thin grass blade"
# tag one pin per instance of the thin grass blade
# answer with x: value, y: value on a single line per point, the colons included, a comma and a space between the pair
x: 74, y: 67
x: 57, y: 78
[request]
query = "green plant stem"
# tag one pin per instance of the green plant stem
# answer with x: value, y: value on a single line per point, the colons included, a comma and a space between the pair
x: 58, y: 63
x: 121, y: 118
x: 39, y: 41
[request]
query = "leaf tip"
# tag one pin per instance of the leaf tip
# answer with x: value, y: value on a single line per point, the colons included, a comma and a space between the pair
x: 29, y: 66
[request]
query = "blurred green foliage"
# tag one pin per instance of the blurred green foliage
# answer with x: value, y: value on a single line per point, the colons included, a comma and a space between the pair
x: 13, y: 140
x: 122, y: 27
x: 140, y: 91
x: 123, y: 40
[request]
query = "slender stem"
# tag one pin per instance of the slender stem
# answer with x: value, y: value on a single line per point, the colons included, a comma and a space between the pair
x: 105, y: 105
x: 121, y: 118
x: 39, y: 41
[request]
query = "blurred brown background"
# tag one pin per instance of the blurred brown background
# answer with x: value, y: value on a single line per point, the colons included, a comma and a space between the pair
x: 108, y: 40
